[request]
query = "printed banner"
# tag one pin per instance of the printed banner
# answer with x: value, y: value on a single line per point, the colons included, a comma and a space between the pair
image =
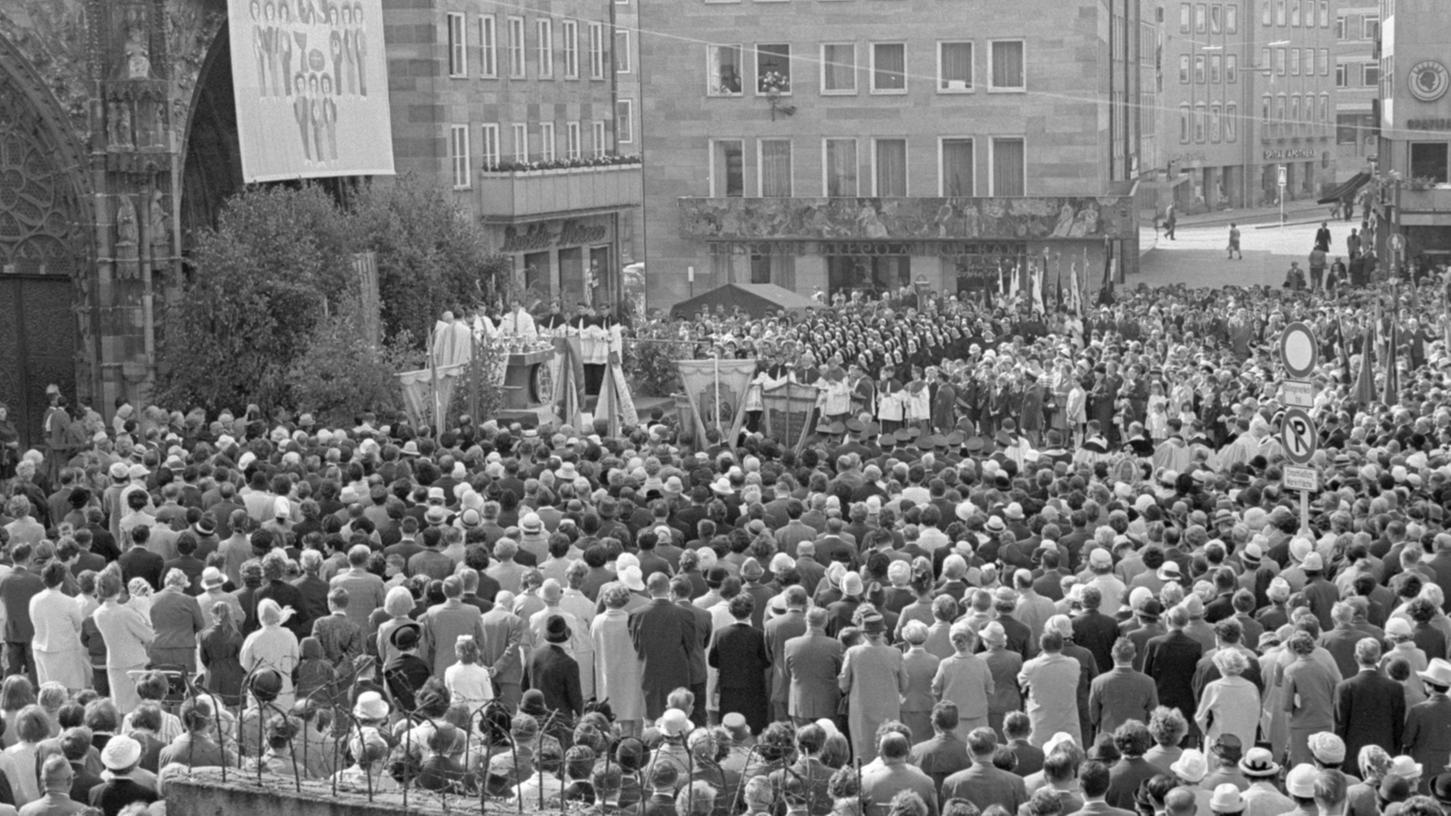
x: 717, y: 390
x: 788, y: 409
x: 311, y: 85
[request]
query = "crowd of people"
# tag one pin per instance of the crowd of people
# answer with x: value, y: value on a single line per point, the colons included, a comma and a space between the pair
x: 1028, y: 564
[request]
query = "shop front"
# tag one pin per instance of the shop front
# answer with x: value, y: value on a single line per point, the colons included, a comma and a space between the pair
x: 573, y: 259
x: 872, y: 246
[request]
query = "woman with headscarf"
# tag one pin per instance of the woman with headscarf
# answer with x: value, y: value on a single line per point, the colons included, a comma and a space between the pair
x: 127, y: 634
x: 220, y: 647
x: 273, y: 646
x: 872, y: 679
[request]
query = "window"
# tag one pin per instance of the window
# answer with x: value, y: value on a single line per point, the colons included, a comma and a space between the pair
x: 489, y: 149
x: 598, y: 137
x: 1183, y: 69
x: 1231, y: 19
x: 1267, y: 104
x: 1281, y: 123
x: 516, y: 47
x: 1324, y: 13
x: 1008, y: 71
x: 1199, y: 122
x: 1216, y: 68
x: 1325, y: 109
x: 1216, y: 18
x: 1428, y: 160
x: 1184, y: 119
x: 488, y: 47
x: 838, y: 68
x: 1307, y: 62
x: 1370, y: 75
x: 1199, y: 70
x: 596, y: 51
x: 1324, y: 60
x: 1201, y: 22
x: 723, y: 64
x: 889, y: 167
x: 1214, y: 123
x: 1279, y: 12
x: 774, y: 166
x: 1294, y: 62
x: 1009, y: 167
x: 1294, y: 117
x: 1370, y: 28
x: 955, y: 166
x: 727, y: 168
x: 519, y: 135
x: 458, y: 45
x: 1340, y: 27
x: 546, y: 141
x: 544, y: 46
x: 573, y: 141
x: 1231, y: 68
x: 1231, y: 121
x: 954, y: 67
x: 1265, y: 59
x: 889, y: 68
x: 1280, y: 61
x: 622, y: 52
x: 458, y: 155
x: 839, y: 168
x: 1266, y: 13
x: 569, y: 32
x: 625, y: 121
x: 1185, y: 13
x: 773, y: 68
x: 1341, y: 73
x: 1294, y: 12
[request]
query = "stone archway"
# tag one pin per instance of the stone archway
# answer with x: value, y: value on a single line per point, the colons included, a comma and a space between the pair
x: 46, y: 242
x: 212, y: 161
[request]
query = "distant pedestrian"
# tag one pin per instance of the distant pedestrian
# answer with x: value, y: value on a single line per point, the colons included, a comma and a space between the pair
x: 1234, y: 242
x: 1352, y: 244
x: 1322, y: 237
x: 1170, y: 221
x: 1317, y: 268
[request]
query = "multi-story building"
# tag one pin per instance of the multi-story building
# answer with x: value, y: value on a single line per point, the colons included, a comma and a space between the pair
x: 1357, y: 85
x: 515, y: 107
x: 871, y: 145
x: 1248, y: 87
x: 1414, y: 157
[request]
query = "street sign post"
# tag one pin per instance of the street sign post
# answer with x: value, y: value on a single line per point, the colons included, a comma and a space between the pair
x: 1304, y: 479
x: 1298, y: 394
x: 1298, y: 351
x: 1299, y: 436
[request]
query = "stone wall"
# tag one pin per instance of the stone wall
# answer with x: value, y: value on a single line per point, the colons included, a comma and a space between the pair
x: 204, y: 794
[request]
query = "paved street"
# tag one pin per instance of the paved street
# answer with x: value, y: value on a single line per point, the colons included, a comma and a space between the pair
x: 1197, y: 255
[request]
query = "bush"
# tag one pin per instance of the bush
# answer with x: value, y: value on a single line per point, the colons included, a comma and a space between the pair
x: 341, y: 373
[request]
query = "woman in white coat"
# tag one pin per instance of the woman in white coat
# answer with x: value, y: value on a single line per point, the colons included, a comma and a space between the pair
x: 618, y: 670
x: 127, y: 634
x: 59, y: 655
x: 274, y: 646
x: 1231, y: 704
x: 872, y: 678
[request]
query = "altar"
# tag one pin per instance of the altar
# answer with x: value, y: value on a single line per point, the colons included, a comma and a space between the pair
x: 528, y: 388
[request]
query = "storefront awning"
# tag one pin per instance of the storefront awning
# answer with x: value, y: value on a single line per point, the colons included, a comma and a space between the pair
x: 1347, y: 189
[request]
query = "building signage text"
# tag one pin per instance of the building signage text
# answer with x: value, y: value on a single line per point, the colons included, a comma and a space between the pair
x: 1429, y: 124
x: 1289, y: 153
x: 540, y: 237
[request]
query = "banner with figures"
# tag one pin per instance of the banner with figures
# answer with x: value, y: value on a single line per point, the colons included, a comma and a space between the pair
x: 717, y: 392
x: 311, y: 85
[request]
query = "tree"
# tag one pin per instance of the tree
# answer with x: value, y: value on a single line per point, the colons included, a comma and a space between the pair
x: 257, y: 294
x: 430, y: 258
x: 341, y: 373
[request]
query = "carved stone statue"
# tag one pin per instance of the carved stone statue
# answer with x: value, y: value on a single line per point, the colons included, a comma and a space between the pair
x: 157, y: 233
x: 126, y: 227
x: 119, y: 123
x: 138, y: 52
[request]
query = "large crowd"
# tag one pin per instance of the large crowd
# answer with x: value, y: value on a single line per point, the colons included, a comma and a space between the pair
x: 1029, y: 563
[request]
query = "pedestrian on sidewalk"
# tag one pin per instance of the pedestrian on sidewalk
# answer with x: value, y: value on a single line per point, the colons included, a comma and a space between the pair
x: 1170, y: 219
x: 1322, y: 237
x: 1234, y: 242
x: 1317, y: 268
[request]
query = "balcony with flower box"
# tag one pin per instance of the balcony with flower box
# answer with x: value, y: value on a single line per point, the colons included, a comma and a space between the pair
x: 514, y: 191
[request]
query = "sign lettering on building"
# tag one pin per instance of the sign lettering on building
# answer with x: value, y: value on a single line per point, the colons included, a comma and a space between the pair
x: 539, y: 237
x: 1429, y: 124
x: 1289, y: 153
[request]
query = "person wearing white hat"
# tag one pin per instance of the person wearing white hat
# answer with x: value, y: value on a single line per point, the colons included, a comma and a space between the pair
x: 1191, y: 768
x: 1427, y: 737
x: 120, y: 757
x: 1226, y: 800
x: 1263, y: 797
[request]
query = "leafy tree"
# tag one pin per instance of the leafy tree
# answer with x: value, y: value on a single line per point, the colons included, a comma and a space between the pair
x: 341, y: 372
x: 251, y: 305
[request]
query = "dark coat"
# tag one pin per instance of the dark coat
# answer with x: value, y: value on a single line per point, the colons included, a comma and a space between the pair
x: 739, y: 652
x: 1170, y: 659
x: 1370, y: 709
x: 1096, y: 632
x: 556, y: 674
x: 662, y: 633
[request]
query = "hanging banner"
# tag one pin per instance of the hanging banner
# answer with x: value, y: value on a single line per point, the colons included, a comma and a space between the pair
x: 717, y: 390
x: 310, y: 81
x: 788, y: 408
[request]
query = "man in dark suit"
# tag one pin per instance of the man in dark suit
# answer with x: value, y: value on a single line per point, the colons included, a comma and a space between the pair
x: 983, y: 783
x: 662, y: 633
x: 139, y: 562
x: 1170, y: 659
x: 1093, y: 779
x: 1370, y: 708
x: 738, y: 652
x: 680, y: 591
x: 813, y: 661
x: 1094, y: 630
x: 1427, y: 738
x: 554, y: 672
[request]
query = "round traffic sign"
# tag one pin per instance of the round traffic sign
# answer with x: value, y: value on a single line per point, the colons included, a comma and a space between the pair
x: 1299, y: 436
x: 1299, y: 351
